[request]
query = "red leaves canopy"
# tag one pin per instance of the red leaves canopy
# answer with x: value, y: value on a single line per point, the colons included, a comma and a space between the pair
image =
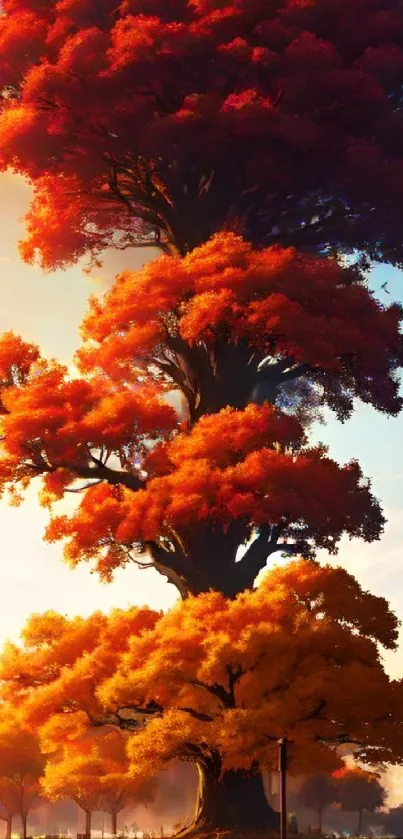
x: 269, y: 302
x: 283, y: 117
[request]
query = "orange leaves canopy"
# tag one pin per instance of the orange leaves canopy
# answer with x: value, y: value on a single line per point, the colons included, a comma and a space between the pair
x: 92, y: 769
x: 291, y: 658
x: 21, y: 763
x: 194, y: 482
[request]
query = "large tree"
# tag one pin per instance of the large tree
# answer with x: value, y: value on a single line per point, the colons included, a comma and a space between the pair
x: 213, y: 333
x: 218, y: 681
x: 170, y: 119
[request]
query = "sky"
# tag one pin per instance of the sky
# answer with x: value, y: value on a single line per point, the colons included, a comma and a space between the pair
x: 47, y: 309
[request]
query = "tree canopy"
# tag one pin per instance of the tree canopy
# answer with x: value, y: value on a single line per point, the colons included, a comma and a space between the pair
x: 91, y: 768
x: 169, y: 432
x: 359, y: 790
x: 219, y: 680
x: 317, y: 792
x: 167, y: 120
x: 21, y: 766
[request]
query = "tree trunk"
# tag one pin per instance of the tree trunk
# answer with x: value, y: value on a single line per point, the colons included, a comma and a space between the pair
x: 232, y: 800
x: 8, y: 827
x: 88, y: 816
x: 114, y: 820
x: 320, y: 820
x: 359, y: 825
x: 24, y: 817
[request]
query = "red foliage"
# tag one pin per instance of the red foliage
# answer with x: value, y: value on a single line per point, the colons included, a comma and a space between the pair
x: 192, y: 115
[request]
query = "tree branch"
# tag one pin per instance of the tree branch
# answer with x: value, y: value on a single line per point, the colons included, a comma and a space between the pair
x: 215, y: 690
x: 104, y: 473
x: 168, y: 563
x: 197, y: 714
x: 255, y: 558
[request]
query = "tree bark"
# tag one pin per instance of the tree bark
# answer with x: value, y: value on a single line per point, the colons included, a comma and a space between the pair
x: 24, y: 817
x: 8, y: 827
x: 359, y: 825
x: 232, y: 800
x: 88, y: 816
x: 114, y: 820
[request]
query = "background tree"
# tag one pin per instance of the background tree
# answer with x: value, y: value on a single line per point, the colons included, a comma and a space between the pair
x: 168, y: 121
x: 392, y: 821
x: 216, y: 681
x: 74, y: 776
x: 9, y: 804
x: 21, y: 765
x: 358, y: 791
x: 316, y: 793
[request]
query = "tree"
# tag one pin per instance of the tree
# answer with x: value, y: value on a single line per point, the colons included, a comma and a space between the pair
x: 190, y: 487
x: 88, y: 766
x: 216, y: 681
x: 21, y: 765
x: 316, y: 793
x: 149, y: 120
x: 358, y: 791
x: 74, y: 776
x: 9, y: 805
x: 392, y: 821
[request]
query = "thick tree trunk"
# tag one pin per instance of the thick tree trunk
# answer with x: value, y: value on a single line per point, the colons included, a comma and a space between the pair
x: 233, y: 800
x: 9, y: 827
x: 114, y: 820
x: 88, y: 818
x: 24, y: 817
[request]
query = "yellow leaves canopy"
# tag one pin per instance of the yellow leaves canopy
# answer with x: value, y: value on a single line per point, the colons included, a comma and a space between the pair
x: 292, y: 658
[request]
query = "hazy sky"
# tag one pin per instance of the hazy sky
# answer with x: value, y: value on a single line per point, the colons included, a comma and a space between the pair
x: 48, y: 310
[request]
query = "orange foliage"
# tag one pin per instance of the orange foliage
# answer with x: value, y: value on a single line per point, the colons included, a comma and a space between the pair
x: 214, y: 676
x: 21, y: 765
x: 91, y: 767
x: 161, y: 434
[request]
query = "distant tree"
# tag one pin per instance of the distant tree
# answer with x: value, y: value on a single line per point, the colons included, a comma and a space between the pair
x: 92, y: 768
x: 358, y: 791
x: 21, y: 765
x: 8, y: 804
x: 392, y: 821
x: 316, y: 793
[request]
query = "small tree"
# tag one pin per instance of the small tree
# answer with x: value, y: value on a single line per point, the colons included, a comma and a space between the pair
x: 21, y: 765
x: 8, y: 804
x: 358, y: 791
x: 392, y: 821
x: 316, y: 793
x: 92, y: 768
